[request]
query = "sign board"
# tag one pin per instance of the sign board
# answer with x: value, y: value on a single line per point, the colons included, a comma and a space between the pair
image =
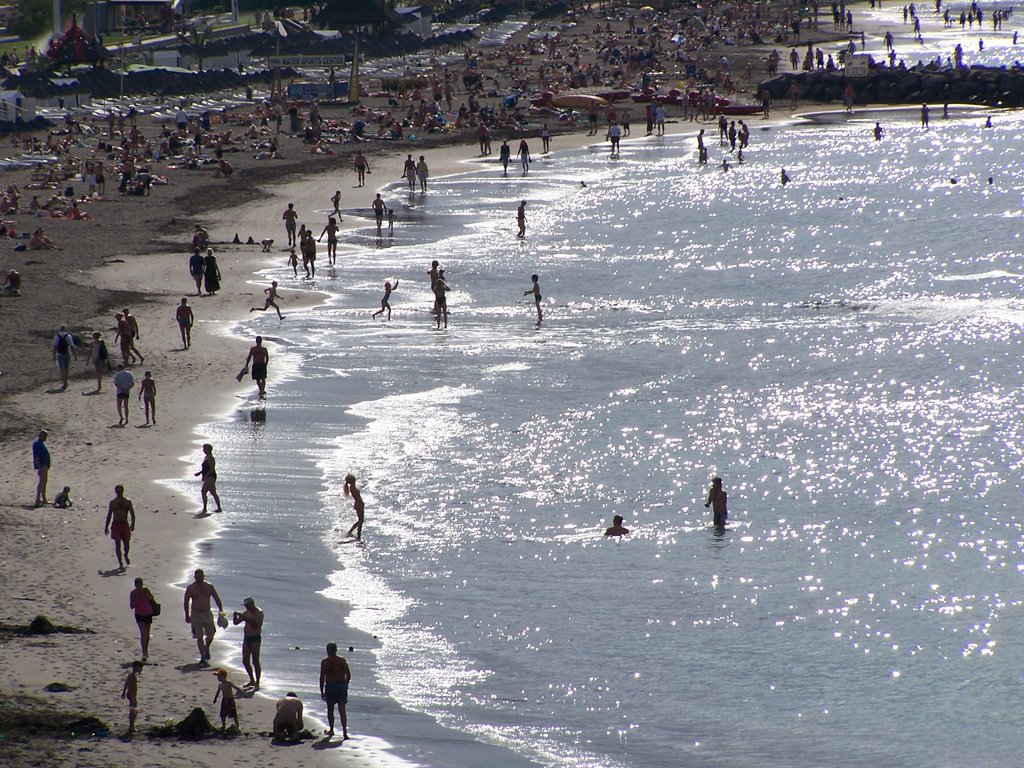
x: 301, y: 60
x: 858, y: 65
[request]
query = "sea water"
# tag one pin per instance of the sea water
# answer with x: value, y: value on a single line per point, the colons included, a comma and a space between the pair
x: 843, y: 351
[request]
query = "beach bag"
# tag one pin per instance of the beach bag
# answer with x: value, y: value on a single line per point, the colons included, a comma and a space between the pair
x: 152, y: 601
x: 62, y: 344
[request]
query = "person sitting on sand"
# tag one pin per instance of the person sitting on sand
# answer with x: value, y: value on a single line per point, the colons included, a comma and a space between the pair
x: 12, y: 283
x: 200, y: 238
x: 224, y: 169
x: 40, y: 242
x: 63, y: 499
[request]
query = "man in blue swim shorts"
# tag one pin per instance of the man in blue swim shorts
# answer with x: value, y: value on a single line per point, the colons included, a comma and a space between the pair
x: 334, y: 679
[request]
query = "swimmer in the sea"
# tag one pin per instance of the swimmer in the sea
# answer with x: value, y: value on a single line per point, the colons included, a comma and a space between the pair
x: 617, y: 528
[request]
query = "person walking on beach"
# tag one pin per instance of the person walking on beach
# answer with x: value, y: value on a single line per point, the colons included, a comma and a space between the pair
x: 259, y: 356
x: 122, y: 338
x: 440, y: 289
x: 271, y: 300
x: 535, y: 290
x: 119, y: 525
x: 335, y: 201
x: 41, y: 464
x: 717, y: 498
x: 183, y: 315
x: 361, y: 166
x: 208, y: 471
x: 132, y: 324
x: 614, y: 135
x: 331, y: 230
x: 545, y: 139
x: 130, y: 692
x: 252, y: 637
x: 123, y: 383
x: 98, y: 355
x: 524, y: 156
x: 385, y: 304
x: 924, y: 116
x: 142, y: 603
x: 379, y: 209
x: 352, y: 492
x: 505, y: 155
x: 226, y: 693
x: 878, y: 131
x: 290, y: 217
x: 196, y: 264
x: 147, y: 394
x: 422, y: 172
x: 63, y: 351
x: 521, y: 219
x: 199, y: 615
x: 334, y: 679
x: 211, y: 273
x: 409, y: 172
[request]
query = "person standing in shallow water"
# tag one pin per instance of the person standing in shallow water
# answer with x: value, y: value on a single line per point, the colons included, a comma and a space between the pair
x: 352, y: 492
x: 717, y: 498
x: 208, y: 471
x: 535, y: 290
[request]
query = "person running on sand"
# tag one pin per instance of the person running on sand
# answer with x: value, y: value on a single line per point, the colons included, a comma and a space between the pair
x: 183, y: 314
x: 352, y: 492
x: 361, y: 166
x: 119, y: 524
x: 41, y: 464
x: 379, y: 209
x: 208, y: 471
x: 271, y: 300
x: 141, y: 602
x: 252, y: 637
x: 199, y: 614
x: 293, y: 262
x: 226, y: 692
x: 259, y: 356
x: 535, y: 290
x: 334, y: 679
x: 290, y: 217
x: 331, y: 230
x: 147, y: 394
x: 385, y: 304
x: 130, y: 692
x: 521, y: 219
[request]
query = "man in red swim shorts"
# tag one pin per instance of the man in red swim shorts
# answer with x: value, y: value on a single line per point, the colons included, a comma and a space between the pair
x: 119, y: 524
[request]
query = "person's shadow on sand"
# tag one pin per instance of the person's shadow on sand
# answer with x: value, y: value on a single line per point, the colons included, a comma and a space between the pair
x: 328, y: 742
x: 56, y: 390
x: 112, y: 572
x: 194, y: 666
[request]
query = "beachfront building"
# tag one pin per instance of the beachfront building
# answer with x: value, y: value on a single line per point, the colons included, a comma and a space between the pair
x: 130, y: 17
x: 376, y: 16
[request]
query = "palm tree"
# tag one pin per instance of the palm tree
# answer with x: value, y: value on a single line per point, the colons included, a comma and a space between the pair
x: 196, y: 45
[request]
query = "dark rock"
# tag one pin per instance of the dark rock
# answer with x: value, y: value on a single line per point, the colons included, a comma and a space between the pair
x: 41, y: 625
x: 58, y: 688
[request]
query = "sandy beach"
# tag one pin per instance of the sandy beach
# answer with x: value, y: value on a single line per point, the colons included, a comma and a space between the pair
x: 57, y: 562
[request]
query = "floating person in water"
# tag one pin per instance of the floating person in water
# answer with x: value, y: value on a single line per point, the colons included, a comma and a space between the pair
x: 617, y: 528
x: 717, y: 498
x: 785, y: 178
x: 352, y: 492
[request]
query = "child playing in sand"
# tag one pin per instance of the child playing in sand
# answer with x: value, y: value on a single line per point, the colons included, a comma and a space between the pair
x: 63, y: 500
x: 131, y: 693
x: 384, y: 302
x: 226, y: 691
